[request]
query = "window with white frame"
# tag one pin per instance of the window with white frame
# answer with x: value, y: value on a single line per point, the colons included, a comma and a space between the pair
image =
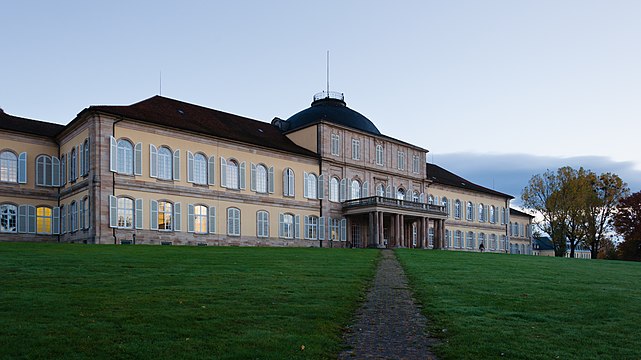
x: 335, y: 144
x: 457, y: 239
x: 492, y: 214
x: 43, y: 220
x: 164, y: 163
x: 481, y: 213
x: 199, y: 170
x: 262, y: 224
x: 8, y: 218
x: 8, y: 166
x: 288, y: 182
x: 457, y: 209
x: 125, y: 213
x: 311, y: 182
x: 125, y: 157
x: 73, y: 174
x: 334, y: 229
x: 415, y: 164
x: 445, y: 203
x: 74, y: 216
x: 334, y: 189
x: 400, y: 158
x: 355, y: 189
x: 286, y: 226
x: 165, y: 215
x: 469, y: 211
x: 379, y: 155
x: 380, y: 190
x: 85, y: 158
x: 260, y: 178
x: 469, y: 240
x: 44, y: 171
x: 200, y: 219
x: 356, y: 149
x: 400, y: 194
x: 232, y: 174
x: 233, y: 222
x: 311, y: 227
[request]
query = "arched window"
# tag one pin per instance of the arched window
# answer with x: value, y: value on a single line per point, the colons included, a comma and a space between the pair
x: 286, y: 226
x: 355, y: 190
x: 200, y: 169
x: 164, y: 164
x: 469, y: 211
x: 74, y: 216
x: 457, y: 239
x: 492, y: 214
x: 261, y: 178
x: 125, y: 157
x: 262, y: 223
x: 333, y: 189
x: 312, y: 181
x: 43, y: 170
x: 482, y: 239
x: 400, y: 194
x: 379, y: 155
x: 125, y: 211
x: 232, y: 174
x: 8, y: 166
x: 165, y: 215
x: 481, y: 213
x: 73, y: 170
x: 446, y: 204
x: 233, y: 222
x: 457, y: 209
x: 415, y: 196
x: 492, y: 241
x: 288, y: 182
x: 430, y: 200
x: 85, y: 168
x: 380, y: 190
x: 200, y: 219
x: 516, y: 229
x: 311, y: 227
x: 8, y: 218
x: 43, y: 220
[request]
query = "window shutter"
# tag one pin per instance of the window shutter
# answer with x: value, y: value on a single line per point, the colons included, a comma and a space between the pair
x: 177, y: 217
x: 55, y: 171
x: 75, y: 165
x: 252, y: 177
x: 139, y: 212
x: 69, y: 174
x: 22, y: 218
x: 211, y: 168
x: 270, y: 180
x: 306, y: 227
x: 153, y: 213
x: 113, y: 151
x: 190, y: 218
x: 87, y: 156
x: 365, y: 189
x: 281, y: 225
x: 153, y: 161
x: 81, y: 216
x: 321, y: 186
x: 31, y: 214
x: 138, y: 159
x: 177, y: 165
x: 223, y: 172
x: 69, y: 218
x: 63, y: 171
x: 343, y: 229
x: 321, y: 228
x: 305, y: 187
x: 63, y: 219
x: 297, y: 226
x: 212, y: 220
x: 22, y: 168
x: 81, y: 158
x: 88, y: 213
x: 343, y: 190
x: 190, y: 167
x: 241, y: 169
x: 55, y: 226
x: 394, y: 191
x: 285, y: 183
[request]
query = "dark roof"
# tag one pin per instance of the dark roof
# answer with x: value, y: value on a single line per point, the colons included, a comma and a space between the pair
x: 518, y: 212
x: 439, y: 175
x: 543, y: 243
x: 331, y: 110
x: 176, y: 114
x: 29, y: 126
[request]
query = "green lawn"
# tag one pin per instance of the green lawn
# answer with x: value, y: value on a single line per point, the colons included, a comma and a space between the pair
x: 153, y: 302
x: 526, y: 307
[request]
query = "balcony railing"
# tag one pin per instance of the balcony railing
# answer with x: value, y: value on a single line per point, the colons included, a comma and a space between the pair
x: 397, y: 203
x: 329, y: 95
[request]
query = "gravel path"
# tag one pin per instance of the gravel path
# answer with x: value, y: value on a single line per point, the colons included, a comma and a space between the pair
x: 389, y: 325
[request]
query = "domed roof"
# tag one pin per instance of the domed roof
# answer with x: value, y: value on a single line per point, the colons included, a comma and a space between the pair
x: 330, y: 107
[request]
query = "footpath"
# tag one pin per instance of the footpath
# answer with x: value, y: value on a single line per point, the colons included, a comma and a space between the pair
x: 389, y: 325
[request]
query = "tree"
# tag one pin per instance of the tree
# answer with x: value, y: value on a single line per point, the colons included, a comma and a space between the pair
x: 607, y: 191
x: 627, y: 222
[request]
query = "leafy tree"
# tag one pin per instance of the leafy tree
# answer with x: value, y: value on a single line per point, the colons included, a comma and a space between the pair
x: 627, y: 222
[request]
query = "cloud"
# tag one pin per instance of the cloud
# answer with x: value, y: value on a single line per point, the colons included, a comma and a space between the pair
x: 510, y: 173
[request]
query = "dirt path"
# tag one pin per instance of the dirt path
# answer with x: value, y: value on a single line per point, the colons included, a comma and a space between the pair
x: 389, y: 325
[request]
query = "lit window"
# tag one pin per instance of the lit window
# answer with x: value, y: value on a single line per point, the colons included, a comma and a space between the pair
x: 379, y: 155
x: 333, y: 189
x: 8, y: 218
x: 43, y: 220
x: 200, y: 219
x: 165, y: 215
x: 262, y: 224
x: 164, y: 163
x: 233, y: 222
x: 125, y: 157
x: 8, y: 166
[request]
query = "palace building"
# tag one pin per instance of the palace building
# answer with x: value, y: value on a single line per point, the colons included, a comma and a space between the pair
x: 163, y: 171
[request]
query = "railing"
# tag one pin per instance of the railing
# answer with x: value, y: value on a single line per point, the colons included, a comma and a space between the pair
x: 405, y: 204
x: 329, y: 95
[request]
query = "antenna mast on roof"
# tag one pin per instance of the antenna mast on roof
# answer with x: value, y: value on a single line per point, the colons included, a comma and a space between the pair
x: 327, y: 72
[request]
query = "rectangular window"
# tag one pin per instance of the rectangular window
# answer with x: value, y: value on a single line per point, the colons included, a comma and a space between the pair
x: 401, y: 160
x: 262, y: 224
x: 356, y: 149
x: 233, y: 222
x: 379, y: 155
x: 415, y: 164
x: 335, y: 145
x: 311, y: 227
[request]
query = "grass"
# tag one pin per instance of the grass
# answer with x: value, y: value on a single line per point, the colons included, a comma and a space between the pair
x: 526, y: 307
x: 152, y: 302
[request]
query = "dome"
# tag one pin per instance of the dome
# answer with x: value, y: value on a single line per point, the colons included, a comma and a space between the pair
x: 330, y: 107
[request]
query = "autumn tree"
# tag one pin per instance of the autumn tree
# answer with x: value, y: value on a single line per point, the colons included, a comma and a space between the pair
x: 627, y: 222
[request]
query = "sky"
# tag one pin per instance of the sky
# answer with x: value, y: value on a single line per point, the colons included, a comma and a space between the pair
x: 497, y: 91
